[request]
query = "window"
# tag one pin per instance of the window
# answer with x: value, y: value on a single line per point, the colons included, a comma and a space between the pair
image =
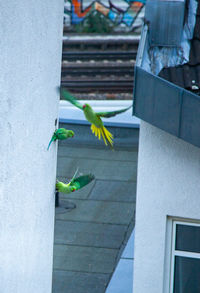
x: 185, y: 257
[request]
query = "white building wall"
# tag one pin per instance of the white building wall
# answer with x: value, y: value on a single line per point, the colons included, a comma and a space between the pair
x: 31, y: 33
x: 168, y: 185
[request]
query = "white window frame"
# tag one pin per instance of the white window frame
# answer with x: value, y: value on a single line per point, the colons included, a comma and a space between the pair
x: 171, y: 252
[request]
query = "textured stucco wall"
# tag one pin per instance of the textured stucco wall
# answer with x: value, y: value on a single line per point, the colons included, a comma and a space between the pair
x: 168, y: 184
x: 31, y: 33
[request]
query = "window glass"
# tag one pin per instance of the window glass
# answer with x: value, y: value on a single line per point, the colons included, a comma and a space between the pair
x: 187, y: 238
x: 187, y: 275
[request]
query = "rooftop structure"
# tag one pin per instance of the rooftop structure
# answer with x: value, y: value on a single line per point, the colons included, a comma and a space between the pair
x: 90, y: 238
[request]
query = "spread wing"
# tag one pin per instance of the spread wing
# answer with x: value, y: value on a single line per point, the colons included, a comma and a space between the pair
x: 81, y: 181
x: 112, y: 113
x: 68, y: 96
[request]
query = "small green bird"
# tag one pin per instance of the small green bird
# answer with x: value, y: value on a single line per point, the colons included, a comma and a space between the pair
x: 74, y: 184
x: 61, y: 133
x: 94, y: 118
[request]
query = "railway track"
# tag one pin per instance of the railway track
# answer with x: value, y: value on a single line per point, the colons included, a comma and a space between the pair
x: 93, y: 69
x: 99, y: 56
x: 96, y: 43
x: 88, y: 86
x: 99, y: 70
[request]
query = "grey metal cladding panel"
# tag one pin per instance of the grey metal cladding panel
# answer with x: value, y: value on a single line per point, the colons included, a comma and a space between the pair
x: 157, y: 101
x: 190, y: 118
x: 143, y: 94
x: 165, y: 22
x: 167, y: 106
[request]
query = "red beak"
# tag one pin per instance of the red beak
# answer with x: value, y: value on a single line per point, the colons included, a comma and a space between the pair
x: 84, y: 106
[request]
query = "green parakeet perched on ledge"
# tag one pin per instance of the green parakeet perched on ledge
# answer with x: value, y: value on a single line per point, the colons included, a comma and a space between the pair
x: 94, y: 118
x: 74, y: 184
x: 61, y: 133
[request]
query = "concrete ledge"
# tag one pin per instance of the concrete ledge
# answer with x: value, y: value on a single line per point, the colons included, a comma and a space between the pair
x: 124, y: 137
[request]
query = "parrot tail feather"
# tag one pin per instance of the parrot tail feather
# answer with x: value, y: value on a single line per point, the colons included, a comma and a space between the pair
x: 52, y: 139
x: 99, y: 134
x: 50, y: 144
x: 104, y: 133
x: 96, y: 131
x: 108, y: 136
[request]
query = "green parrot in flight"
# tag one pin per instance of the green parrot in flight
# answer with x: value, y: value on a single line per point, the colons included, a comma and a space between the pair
x: 74, y: 184
x: 94, y: 118
x: 61, y: 133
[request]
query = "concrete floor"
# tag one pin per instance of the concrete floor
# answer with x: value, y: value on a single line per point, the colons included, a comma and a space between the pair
x: 90, y: 238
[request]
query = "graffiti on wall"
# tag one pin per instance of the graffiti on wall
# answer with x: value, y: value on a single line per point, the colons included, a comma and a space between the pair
x: 118, y: 12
